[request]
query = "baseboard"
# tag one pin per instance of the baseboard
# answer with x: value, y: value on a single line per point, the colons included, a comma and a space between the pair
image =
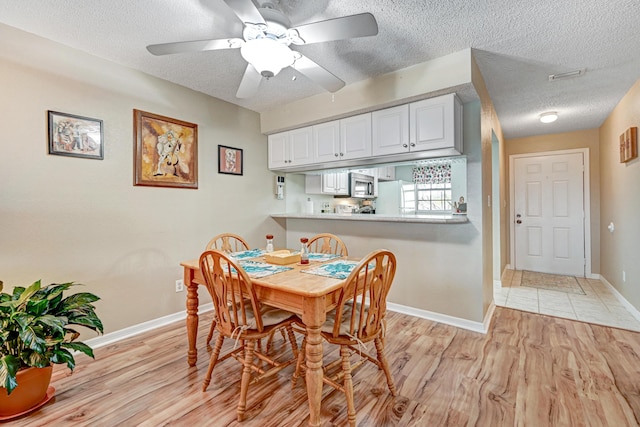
x: 594, y: 276
x: 497, y: 284
x: 634, y: 311
x: 131, y: 331
x: 443, y: 318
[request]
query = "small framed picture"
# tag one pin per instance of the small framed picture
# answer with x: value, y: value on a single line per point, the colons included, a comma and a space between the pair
x: 166, y: 151
x: 75, y: 136
x: 230, y: 160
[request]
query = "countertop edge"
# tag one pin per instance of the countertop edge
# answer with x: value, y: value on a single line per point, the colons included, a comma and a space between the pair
x: 424, y: 219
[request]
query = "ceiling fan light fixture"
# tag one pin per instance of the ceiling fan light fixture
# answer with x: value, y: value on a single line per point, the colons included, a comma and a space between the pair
x: 268, y: 56
x: 549, y: 117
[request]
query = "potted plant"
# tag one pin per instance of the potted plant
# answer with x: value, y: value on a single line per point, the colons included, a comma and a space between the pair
x: 36, y: 331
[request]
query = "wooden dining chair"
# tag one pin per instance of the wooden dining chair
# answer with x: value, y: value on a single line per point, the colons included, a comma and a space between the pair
x: 228, y: 242
x: 327, y: 243
x: 244, y: 319
x: 225, y: 242
x: 357, y: 320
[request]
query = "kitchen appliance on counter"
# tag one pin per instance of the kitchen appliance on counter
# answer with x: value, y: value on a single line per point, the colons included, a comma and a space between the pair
x: 344, y: 209
x: 361, y: 186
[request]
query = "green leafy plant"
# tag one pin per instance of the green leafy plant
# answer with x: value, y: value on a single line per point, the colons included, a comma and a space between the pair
x: 35, y: 328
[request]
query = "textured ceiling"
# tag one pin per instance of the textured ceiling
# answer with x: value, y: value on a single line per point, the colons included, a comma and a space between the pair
x: 517, y: 43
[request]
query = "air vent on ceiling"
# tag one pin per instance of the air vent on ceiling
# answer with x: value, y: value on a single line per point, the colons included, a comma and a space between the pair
x: 569, y: 75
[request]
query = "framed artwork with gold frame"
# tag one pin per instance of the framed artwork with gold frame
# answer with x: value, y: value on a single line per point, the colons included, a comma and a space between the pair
x: 629, y: 145
x: 165, y: 151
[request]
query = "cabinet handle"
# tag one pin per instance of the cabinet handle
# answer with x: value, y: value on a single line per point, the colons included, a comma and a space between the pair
x: 413, y: 145
x: 405, y: 145
x: 336, y: 154
x: 341, y: 154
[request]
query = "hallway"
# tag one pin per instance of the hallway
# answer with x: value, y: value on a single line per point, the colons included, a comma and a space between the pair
x: 599, y: 305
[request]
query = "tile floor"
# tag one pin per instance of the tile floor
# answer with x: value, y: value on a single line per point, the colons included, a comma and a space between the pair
x: 599, y: 305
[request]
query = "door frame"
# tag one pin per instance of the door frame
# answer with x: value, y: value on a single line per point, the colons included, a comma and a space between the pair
x: 586, y: 202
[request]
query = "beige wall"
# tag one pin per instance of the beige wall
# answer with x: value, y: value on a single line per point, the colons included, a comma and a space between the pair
x: 72, y: 219
x: 620, y: 197
x: 565, y: 141
x: 489, y: 126
x: 440, y: 266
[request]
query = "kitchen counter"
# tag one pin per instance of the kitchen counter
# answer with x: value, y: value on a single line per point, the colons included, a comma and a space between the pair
x: 425, y: 219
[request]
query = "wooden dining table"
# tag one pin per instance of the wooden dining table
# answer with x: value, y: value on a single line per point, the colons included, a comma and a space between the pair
x: 308, y: 295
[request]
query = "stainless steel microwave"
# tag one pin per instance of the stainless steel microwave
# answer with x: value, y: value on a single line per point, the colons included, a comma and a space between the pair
x: 361, y: 186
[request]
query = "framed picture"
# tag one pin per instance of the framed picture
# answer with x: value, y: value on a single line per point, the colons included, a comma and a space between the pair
x: 629, y: 145
x: 75, y: 136
x: 230, y: 160
x: 166, y: 151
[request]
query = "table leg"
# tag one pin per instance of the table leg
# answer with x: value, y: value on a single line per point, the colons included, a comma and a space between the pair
x: 192, y: 316
x: 313, y: 317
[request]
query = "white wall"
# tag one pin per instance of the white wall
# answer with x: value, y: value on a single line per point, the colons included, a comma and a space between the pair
x: 72, y: 219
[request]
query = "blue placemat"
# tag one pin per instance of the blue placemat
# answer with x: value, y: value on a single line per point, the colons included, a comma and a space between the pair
x: 316, y: 256
x: 251, y: 253
x: 256, y: 270
x: 335, y: 269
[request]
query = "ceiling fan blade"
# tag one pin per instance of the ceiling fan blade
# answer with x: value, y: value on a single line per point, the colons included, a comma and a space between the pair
x: 346, y: 27
x: 318, y: 74
x: 250, y: 83
x: 246, y: 11
x: 194, y: 46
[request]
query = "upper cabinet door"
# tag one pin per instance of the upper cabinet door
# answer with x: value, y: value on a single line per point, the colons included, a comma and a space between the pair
x: 278, y: 150
x: 301, y: 146
x: 355, y: 137
x: 326, y: 141
x: 431, y: 123
x: 390, y: 130
x: 291, y: 148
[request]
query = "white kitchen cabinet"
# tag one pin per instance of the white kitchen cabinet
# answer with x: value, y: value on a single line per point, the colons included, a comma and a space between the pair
x: 335, y: 183
x: 344, y: 139
x: 386, y: 173
x: 390, y: 130
x: 342, y: 183
x: 435, y: 123
x: 291, y: 148
x: 355, y: 137
x: 429, y: 124
x: 326, y: 141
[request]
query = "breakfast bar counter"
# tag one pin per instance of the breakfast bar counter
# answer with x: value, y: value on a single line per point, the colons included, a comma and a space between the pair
x: 425, y: 219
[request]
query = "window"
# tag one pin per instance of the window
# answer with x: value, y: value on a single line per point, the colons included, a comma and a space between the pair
x: 426, y: 198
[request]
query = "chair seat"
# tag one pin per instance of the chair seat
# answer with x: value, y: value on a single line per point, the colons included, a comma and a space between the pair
x: 270, y: 316
x: 327, y: 327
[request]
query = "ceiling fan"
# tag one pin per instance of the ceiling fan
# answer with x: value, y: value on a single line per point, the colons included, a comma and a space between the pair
x: 265, y: 43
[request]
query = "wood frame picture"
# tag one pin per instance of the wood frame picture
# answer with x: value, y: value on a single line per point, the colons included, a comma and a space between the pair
x: 629, y: 145
x: 75, y: 136
x: 230, y: 160
x: 166, y: 151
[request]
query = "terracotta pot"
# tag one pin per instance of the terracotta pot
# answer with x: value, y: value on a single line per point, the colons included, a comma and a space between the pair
x: 31, y: 391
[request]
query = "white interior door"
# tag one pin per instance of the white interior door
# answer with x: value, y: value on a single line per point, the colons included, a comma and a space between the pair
x: 549, y: 214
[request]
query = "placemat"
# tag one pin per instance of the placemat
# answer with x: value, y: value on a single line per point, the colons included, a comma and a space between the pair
x: 251, y: 253
x: 336, y: 269
x: 256, y: 270
x: 320, y: 257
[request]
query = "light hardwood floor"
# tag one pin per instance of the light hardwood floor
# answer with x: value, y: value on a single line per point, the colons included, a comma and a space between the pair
x: 529, y: 370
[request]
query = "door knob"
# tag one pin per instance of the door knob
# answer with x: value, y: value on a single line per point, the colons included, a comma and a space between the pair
x: 518, y: 222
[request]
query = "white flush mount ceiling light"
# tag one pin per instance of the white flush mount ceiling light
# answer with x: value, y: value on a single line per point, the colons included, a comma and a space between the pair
x: 549, y: 117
